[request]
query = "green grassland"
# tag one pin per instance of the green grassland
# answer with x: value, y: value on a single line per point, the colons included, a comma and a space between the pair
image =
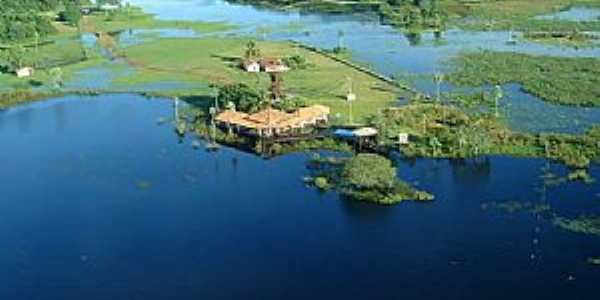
x: 567, y: 81
x: 215, y: 60
x: 134, y: 18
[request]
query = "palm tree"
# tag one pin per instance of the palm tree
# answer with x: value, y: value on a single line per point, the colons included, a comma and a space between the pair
x: 252, y: 51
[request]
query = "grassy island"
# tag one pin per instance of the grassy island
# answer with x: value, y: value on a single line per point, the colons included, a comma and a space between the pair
x: 364, y: 177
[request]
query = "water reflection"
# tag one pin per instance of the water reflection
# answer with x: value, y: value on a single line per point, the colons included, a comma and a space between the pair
x: 473, y: 172
x: 263, y: 218
x: 59, y: 117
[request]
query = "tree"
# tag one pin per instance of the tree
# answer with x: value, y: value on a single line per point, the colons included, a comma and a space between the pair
x: 72, y: 13
x: 15, y: 56
x: 55, y: 78
x: 369, y: 171
x: 242, y: 96
x: 252, y: 51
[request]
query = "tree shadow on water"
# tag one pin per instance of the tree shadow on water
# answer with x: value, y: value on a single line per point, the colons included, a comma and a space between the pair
x: 199, y: 101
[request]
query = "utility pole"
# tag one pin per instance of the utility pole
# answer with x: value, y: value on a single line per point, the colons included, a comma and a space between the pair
x: 350, y: 97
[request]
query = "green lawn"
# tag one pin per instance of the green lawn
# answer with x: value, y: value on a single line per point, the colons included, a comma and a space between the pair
x: 214, y: 60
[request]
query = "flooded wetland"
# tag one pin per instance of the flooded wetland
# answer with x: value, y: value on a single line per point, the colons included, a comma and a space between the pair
x: 144, y: 171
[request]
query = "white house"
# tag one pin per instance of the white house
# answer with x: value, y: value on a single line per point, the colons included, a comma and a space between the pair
x: 24, y: 72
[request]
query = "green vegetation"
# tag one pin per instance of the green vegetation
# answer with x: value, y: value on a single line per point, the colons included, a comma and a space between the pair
x: 416, y: 15
x: 134, y: 18
x: 568, y: 81
x: 573, y: 39
x: 23, y: 96
x: 216, y: 60
x: 364, y: 177
x: 581, y: 224
x: 447, y: 132
x: 594, y: 261
x: 242, y: 97
x: 580, y: 175
x: 322, y: 183
x: 24, y: 19
x: 512, y: 207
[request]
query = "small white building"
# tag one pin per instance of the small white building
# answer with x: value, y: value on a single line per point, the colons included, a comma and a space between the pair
x: 251, y: 66
x: 403, y: 138
x: 24, y: 72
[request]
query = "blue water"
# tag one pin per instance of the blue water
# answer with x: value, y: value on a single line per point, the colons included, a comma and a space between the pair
x: 574, y: 14
x: 101, y: 201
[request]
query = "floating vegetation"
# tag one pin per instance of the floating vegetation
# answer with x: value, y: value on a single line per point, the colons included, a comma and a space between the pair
x: 143, y: 184
x: 552, y: 180
x: 364, y: 177
x: 162, y: 120
x: 581, y: 175
x: 594, y: 261
x: 181, y: 128
x: 512, y: 207
x: 321, y: 183
x: 196, y: 144
x: 581, y: 224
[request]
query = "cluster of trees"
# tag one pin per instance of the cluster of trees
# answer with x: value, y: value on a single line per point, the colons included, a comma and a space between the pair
x: 21, y: 19
x: 25, y: 19
x: 242, y: 96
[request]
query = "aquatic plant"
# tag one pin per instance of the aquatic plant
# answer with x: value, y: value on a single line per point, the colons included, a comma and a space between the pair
x: 581, y: 224
x: 580, y: 175
x: 594, y: 261
x: 322, y: 183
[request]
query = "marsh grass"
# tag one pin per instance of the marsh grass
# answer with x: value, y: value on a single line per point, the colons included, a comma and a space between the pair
x: 442, y: 131
x: 566, y: 81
